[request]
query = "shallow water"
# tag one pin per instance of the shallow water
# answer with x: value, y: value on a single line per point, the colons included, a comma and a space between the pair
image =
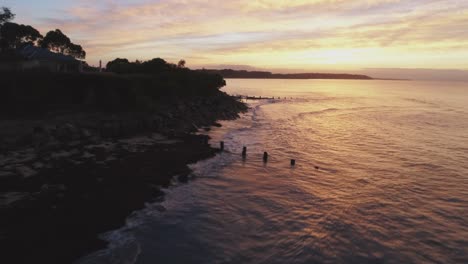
x: 381, y: 177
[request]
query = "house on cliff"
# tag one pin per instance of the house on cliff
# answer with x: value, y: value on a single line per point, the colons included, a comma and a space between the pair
x: 31, y: 58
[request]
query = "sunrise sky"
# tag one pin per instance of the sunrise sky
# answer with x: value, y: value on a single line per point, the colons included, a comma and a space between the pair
x: 300, y: 35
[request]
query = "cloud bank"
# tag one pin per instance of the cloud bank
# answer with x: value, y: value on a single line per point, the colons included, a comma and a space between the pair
x: 301, y: 34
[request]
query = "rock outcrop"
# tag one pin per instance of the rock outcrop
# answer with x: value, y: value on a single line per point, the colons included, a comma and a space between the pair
x: 67, y: 176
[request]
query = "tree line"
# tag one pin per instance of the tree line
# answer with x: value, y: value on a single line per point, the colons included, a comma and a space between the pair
x: 124, y: 66
x: 14, y: 36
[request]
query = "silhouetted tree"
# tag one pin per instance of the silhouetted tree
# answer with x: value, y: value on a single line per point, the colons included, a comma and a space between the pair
x: 6, y: 15
x: 55, y: 41
x: 181, y: 64
x: 120, y: 66
x: 153, y: 66
x: 59, y: 42
x: 76, y: 51
x: 14, y: 36
x: 156, y: 65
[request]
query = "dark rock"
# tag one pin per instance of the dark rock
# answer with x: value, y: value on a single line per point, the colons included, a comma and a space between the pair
x: 183, y: 178
x: 156, y: 191
x: 25, y: 171
x: 40, y: 136
x: 85, y: 133
x: 80, y: 201
x: 7, y: 178
x: 160, y: 208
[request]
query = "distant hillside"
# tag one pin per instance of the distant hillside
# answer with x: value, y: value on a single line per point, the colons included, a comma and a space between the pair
x: 228, y: 73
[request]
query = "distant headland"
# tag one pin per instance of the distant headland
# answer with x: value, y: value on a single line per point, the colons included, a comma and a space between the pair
x: 229, y: 73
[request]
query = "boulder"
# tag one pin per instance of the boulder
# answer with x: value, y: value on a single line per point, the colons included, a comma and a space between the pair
x: 40, y: 136
x: 25, y: 171
x: 6, y: 175
x: 53, y: 188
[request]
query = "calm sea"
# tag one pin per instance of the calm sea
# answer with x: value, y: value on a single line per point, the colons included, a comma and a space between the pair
x: 381, y: 176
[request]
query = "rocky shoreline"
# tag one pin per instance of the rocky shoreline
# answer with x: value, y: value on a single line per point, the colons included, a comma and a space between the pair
x: 66, y: 177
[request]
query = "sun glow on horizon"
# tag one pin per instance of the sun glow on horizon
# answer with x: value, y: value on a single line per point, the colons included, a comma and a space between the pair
x: 314, y: 34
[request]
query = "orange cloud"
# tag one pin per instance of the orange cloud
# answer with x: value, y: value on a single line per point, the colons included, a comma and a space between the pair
x: 302, y: 34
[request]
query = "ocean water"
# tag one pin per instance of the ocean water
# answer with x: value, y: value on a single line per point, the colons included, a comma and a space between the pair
x: 381, y: 176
